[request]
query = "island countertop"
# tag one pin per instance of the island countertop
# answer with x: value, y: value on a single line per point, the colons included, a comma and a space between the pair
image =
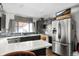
x: 23, y: 46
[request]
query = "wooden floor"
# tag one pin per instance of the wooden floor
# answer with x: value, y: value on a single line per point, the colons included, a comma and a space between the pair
x: 50, y: 53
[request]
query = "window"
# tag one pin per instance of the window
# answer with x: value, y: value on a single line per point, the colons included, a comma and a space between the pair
x: 25, y: 27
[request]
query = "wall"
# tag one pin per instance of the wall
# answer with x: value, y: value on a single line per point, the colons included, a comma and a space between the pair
x: 75, y: 16
x: 8, y: 17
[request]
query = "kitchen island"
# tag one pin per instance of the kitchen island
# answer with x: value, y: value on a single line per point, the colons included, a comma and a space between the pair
x: 22, y: 46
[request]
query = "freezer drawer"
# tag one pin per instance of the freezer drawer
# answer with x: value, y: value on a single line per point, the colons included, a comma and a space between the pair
x: 61, y: 49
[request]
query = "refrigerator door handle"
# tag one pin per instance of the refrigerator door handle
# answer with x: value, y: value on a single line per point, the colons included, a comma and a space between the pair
x: 59, y: 31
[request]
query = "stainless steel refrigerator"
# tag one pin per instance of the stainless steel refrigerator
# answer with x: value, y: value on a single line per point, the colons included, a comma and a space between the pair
x: 63, y: 37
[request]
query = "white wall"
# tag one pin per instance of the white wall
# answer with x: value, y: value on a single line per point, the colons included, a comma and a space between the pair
x: 75, y: 16
x: 8, y: 17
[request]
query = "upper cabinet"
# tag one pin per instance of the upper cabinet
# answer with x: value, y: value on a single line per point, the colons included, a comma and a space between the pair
x: 64, y: 14
x: 2, y: 19
x: 40, y: 25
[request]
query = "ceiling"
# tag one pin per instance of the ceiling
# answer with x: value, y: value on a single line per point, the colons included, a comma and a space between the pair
x: 36, y: 9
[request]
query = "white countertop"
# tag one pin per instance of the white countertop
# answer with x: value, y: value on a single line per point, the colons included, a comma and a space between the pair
x: 22, y: 46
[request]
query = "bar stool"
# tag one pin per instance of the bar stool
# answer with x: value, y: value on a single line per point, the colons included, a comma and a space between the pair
x: 20, y: 53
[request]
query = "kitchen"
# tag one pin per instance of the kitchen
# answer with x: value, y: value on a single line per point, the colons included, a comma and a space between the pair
x: 26, y: 28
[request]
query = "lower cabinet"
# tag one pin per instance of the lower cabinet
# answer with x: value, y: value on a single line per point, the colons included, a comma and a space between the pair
x: 40, y: 52
x: 30, y: 38
x: 50, y: 41
x: 23, y: 39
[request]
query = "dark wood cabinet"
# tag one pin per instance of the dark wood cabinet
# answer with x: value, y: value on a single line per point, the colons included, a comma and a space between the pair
x: 3, y: 22
x: 23, y: 39
x: 40, y: 52
x: 50, y: 41
x: 30, y: 38
x: 0, y: 23
x: 39, y: 26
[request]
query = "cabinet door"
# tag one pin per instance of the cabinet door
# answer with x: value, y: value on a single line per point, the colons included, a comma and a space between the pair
x: 30, y: 38
x: 40, y: 52
x: 3, y: 22
x: 13, y: 40
x: 0, y: 23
